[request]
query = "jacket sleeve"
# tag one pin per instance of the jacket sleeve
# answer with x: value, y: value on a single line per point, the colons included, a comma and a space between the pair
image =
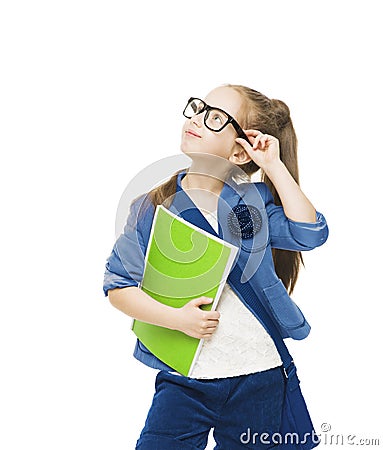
x: 125, y: 265
x: 287, y: 234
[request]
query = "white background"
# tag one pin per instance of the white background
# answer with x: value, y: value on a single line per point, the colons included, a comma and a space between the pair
x: 91, y: 93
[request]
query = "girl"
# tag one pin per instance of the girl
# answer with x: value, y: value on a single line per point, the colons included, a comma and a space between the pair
x: 238, y: 384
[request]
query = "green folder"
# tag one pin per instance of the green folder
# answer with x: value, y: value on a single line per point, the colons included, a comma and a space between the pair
x: 182, y: 262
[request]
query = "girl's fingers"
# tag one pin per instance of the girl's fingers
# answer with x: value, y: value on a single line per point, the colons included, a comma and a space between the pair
x: 207, y: 334
x: 263, y: 140
x: 244, y: 143
x: 258, y: 138
x: 210, y: 324
x: 256, y: 142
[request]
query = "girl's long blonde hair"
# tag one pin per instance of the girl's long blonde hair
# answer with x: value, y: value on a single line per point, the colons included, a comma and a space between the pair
x: 272, y: 117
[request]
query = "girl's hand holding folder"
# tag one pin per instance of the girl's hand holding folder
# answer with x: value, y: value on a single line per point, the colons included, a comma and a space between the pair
x: 189, y: 319
x: 194, y: 321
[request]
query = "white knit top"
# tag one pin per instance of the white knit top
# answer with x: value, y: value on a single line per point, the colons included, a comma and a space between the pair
x: 240, y: 345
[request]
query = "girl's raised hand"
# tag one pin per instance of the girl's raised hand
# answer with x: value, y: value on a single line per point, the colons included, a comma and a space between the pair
x: 265, y: 149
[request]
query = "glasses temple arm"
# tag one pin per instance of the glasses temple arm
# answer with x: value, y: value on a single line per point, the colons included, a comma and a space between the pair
x: 241, y: 133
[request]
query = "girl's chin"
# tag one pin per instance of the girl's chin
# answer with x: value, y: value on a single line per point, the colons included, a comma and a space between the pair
x: 208, y: 159
x: 195, y: 153
x: 189, y: 149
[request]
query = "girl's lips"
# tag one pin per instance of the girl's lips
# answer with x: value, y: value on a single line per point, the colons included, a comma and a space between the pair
x: 192, y: 133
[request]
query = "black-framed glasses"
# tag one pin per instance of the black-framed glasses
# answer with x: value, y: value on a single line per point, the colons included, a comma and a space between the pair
x: 215, y: 119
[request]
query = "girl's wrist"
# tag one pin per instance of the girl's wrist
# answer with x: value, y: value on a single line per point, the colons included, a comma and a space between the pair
x: 171, y: 318
x: 274, y: 168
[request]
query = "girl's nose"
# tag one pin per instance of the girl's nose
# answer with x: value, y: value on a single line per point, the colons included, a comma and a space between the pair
x: 197, y: 120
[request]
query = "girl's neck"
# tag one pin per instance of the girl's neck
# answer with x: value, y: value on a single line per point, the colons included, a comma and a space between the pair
x: 203, y: 189
x: 202, y: 182
x: 207, y: 173
x: 204, y: 193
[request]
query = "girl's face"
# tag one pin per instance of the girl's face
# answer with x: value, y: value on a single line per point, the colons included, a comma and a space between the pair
x: 196, y: 137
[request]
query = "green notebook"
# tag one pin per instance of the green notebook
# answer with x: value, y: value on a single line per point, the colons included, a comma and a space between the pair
x: 182, y: 262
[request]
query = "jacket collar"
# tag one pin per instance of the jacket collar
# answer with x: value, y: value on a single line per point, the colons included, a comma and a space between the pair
x: 231, y: 195
x: 184, y: 206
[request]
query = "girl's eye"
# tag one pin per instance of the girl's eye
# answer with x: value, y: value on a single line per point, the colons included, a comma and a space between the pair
x: 217, y: 118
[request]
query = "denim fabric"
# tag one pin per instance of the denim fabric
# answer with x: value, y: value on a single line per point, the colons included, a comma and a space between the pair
x: 184, y: 410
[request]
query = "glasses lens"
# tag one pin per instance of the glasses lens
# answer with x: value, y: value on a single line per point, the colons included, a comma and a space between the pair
x: 216, y: 119
x: 195, y: 106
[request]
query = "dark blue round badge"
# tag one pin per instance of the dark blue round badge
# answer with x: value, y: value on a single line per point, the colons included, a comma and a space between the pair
x: 244, y: 221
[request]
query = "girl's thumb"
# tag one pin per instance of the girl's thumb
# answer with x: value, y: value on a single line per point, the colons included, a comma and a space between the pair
x: 202, y: 301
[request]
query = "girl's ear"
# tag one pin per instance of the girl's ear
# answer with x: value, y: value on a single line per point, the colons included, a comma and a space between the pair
x: 239, y: 155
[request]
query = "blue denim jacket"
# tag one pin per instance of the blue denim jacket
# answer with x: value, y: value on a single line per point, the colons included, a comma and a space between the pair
x: 253, y: 277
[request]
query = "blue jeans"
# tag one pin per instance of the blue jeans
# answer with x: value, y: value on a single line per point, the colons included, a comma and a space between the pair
x: 239, y: 409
